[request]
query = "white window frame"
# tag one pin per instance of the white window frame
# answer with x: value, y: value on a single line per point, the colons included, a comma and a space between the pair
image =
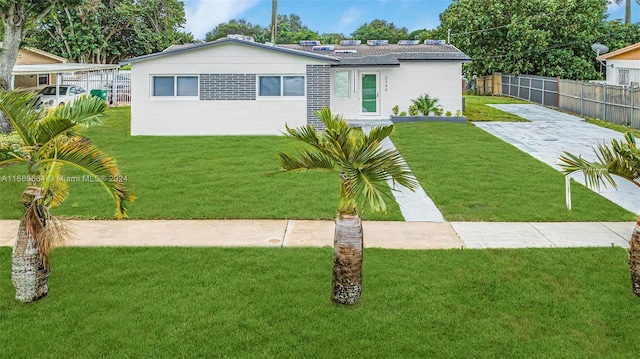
x: 175, y: 88
x: 281, y: 96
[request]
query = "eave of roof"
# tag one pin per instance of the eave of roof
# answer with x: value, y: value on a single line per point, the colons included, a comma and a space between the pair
x: 180, y: 49
x: 59, y: 68
x: 618, y: 52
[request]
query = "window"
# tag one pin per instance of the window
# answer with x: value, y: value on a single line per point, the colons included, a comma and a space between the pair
x: 172, y: 86
x: 280, y: 86
x: 342, y: 84
x: 628, y: 77
x: 43, y: 79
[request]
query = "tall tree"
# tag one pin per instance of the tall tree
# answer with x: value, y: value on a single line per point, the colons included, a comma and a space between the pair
x: 48, y: 143
x: 18, y: 16
x: 363, y: 167
x: 542, y: 37
x: 622, y: 158
x: 239, y: 27
x: 291, y: 30
x: 108, y: 31
x: 380, y: 30
x: 627, y: 9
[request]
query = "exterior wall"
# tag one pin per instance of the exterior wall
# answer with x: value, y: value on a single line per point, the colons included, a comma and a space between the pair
x: 228, y: 104
x: 399, y: 85
x: 612, y: 72
x: 26, y: 57
x: 318, y: 92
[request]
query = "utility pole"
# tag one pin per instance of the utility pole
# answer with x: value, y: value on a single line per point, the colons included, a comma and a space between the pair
x: 274, y: 20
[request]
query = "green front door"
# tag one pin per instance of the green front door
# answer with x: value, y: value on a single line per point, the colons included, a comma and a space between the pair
x: 369, y: 93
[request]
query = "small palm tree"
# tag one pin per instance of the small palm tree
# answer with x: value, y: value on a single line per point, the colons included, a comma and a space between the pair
x: 363, y: 166
x: 426, y: 104
x: 621, y: 159
x: 47, y: 144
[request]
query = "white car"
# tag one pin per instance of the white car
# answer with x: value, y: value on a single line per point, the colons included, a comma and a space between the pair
x: 67, y: 95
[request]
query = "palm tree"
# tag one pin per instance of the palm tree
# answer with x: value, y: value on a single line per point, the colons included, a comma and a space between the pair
x: 627, y: 9
x: 363, y: 166
x: 621, y: 159
x: 426, y: 104
x: 48, y: 143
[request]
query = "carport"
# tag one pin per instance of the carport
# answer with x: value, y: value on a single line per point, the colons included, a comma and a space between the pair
x: 94, y: 75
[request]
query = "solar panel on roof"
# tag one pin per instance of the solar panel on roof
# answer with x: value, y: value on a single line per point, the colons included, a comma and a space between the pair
x: 346, y: 51
x: 310, y: 43
x: 350, y: 42
x: 377, y: 42
x: 434, y: 42
x: 323, y: 48
x: 408, y: 42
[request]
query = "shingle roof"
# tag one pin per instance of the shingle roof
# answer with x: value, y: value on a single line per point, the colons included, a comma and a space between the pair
x: 365, y: 55
x: 387, y: 54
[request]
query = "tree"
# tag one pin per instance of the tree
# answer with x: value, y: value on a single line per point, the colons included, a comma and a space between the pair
x: 292, y: 31
x: 380, y: 30
x: 331, y: 38
x: 627, y: 9
x: 542, y: 37
x: 108, y: 31
x: 17, y: 16
x: 239, y: 27
x: 621, y: 159
x: 363, y: 166
x: 48, y: 143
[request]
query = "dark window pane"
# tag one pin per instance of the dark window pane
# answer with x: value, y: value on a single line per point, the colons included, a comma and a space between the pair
x: 293, y: 85
x: 163, y: 86
x: 187, y: 86
x: 269, y: 86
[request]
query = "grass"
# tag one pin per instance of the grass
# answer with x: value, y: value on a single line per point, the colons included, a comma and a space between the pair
x: 474, y: 176
x: 195, y: 177
x: 613, y: 126
x: 274, y: 303
x: 476, y: 109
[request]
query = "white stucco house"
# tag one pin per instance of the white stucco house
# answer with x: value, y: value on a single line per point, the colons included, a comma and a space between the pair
x: 623, y: 66
x: 233, y: 86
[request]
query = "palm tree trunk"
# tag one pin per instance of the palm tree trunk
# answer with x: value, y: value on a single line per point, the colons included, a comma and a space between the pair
x: 347, y: 259
x: 634, y: 258
x: 28, y: 273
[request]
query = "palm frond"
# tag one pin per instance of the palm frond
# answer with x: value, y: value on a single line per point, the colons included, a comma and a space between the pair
x: 80, y: 152
x: 85, y: 112
x: 305, y: 160
x: 22, y: 113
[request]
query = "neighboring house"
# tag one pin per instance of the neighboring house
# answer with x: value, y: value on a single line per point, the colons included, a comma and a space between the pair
x: 233, y: 86
x: 623, y: 66
x: 31, y: 56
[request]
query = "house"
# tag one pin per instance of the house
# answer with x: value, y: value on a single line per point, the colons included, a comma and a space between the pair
x: 32, y: 56
x: 236, y: 86
x: 623, y: 66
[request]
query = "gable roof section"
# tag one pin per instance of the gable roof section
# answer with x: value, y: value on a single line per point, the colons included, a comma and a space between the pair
x: 54, y: 58
x: 625, y: 53
x: 175, y: 49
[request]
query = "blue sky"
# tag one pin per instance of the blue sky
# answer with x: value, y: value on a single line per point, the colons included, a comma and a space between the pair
x: 327, y: 16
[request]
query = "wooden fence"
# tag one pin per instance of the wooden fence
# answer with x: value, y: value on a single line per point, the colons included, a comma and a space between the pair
x: 616, y: 104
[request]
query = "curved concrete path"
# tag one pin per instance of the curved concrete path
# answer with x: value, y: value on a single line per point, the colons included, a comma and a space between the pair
x: 550, y: 133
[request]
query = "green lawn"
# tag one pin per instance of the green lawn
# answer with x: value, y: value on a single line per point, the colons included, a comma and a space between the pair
x: 275, y: 303
x: 474, y: 176
x: 476, y: 109
x: 195, y: 177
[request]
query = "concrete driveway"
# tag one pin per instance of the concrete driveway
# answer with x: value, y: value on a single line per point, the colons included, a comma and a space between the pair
x: 550, y: 133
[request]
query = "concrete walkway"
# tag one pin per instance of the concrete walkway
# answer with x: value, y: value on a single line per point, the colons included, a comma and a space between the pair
x: 304, y: 233
x: 550, y: 133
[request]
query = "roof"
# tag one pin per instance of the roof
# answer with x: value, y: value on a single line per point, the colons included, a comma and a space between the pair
x: 59, y: 68
x: 190, y: 47
x: 365, y: 55
x: 388, y: 54
x: 619, y: 52
x: 42, y: 53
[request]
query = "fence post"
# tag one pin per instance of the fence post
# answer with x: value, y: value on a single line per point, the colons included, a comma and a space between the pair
x: 604, y: 103
x: 531, y: 85
x: 582, y: 98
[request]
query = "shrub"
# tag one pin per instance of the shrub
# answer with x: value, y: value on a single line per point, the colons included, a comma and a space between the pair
x: 413, y: 110
x: 458, y: 113
x: 403, y: 113
x: 437, y: 111
x: 395, y: 110
x: 426, y: 104
x: 448, y: 113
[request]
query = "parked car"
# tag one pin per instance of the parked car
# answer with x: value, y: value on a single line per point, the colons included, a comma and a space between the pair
x: 67, y: 95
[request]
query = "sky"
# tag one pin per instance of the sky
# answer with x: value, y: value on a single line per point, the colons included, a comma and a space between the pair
x: 332, y: 16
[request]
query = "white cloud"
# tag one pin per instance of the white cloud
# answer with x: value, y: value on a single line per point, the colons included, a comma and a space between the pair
x: 203, y: 15
x: 350, y: 16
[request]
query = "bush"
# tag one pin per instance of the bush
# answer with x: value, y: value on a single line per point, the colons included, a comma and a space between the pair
x: 448, y: 113
x: 403, y: 113
x: 395, y: 110
x: 413, y: 110
x: 437, y: 111
x: 426, y: 104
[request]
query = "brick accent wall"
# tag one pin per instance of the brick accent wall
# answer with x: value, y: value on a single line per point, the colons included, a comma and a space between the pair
x: 318, y: 92
x: 227, y: 87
